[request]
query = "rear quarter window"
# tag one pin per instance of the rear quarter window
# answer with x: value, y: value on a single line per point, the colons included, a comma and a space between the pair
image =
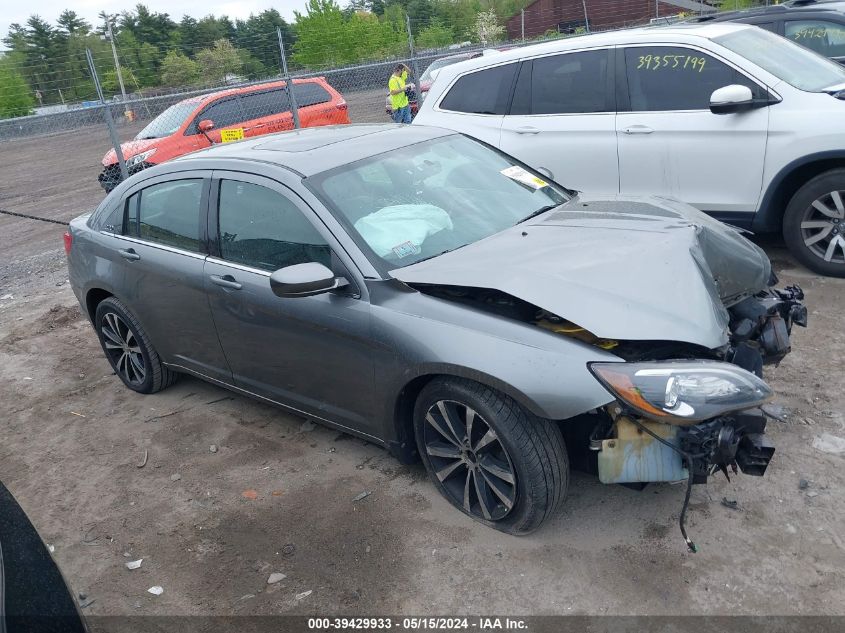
x: 482, y: 92
x: 310, y: 94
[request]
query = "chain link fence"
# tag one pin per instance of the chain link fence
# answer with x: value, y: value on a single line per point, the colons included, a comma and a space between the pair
x: 100, y: 96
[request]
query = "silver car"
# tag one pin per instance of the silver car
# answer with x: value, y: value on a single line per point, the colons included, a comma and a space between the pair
x: 432, y: 294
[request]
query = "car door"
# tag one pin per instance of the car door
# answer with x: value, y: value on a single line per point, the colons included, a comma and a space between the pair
x: 266, y: 111
x: 161, y: 249
x: 671, y: 144
x: 563, y: 118
x: 825, y: 37
x: 225, y: 113
x: 476, y: 103
x: 309, y: 353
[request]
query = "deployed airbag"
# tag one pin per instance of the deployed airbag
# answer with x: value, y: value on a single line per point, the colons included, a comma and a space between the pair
x: 401, y: 229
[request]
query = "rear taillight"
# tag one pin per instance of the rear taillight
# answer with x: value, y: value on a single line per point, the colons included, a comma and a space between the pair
x: 342, y: 106
x: 68, y: 242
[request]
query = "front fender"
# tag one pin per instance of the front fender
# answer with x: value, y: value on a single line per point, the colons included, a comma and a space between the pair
x: 545, y: 372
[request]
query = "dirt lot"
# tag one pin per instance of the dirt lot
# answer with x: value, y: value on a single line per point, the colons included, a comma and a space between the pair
x: 71, y: 439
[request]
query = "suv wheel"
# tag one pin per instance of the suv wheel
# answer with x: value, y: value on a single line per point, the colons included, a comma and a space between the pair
x: 129, y: 350
x: 814, y: 223
x: 488, y: 456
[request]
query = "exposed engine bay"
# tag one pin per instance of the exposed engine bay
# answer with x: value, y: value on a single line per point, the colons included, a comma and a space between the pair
x: 760, y: 326
x: 623, y: 446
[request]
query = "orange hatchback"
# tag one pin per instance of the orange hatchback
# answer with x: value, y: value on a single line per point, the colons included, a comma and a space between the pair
x: 228, y: 115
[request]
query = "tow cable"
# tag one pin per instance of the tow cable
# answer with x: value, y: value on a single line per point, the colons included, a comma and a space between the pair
x: 32, y: 217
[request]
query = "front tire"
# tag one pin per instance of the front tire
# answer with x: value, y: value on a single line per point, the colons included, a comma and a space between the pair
x: 129, y: 350
x: 814, y: 222
x: 489, y: 457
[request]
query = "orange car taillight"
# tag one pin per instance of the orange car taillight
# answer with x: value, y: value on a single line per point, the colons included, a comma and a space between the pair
x: 68, y: 238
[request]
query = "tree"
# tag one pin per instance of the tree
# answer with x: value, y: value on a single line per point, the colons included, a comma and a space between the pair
x: 156, y: 29
x: 318, y: 32
x: 257, y: 35
x: 179, y: 70
x: 188, y: 36
x: 71, y: 24
x: 218, y: 61
x: 435, y: 35
x: 487, y: 27
x: 16, y: 98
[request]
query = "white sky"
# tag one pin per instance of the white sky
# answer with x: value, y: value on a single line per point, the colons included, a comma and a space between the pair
x: 14, y: 11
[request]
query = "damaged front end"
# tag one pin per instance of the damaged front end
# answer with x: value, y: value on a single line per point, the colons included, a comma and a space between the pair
x: 680, y: 420
x: 687, y: 305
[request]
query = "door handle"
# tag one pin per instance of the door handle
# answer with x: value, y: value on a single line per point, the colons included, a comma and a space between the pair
x: 227, y: 281
x: 527, y: 129
x: 638, y: 129
x: 129, y: 254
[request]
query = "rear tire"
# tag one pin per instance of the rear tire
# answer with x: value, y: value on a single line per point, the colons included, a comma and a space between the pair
x: 509, y: 472
x: 129, y: 350
x: 814, y: 222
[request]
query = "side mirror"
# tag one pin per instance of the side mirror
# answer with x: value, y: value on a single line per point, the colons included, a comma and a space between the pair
x: 546, y: 172
x: 206, y: 125
x: 304, y: 280
x: 730, y: 99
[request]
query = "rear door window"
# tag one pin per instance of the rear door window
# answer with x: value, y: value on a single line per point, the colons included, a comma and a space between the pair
x: 824, y: 37
x: 263, y: 229
x: 167, y: 213
x: 663, y: 78
x: 565, y: 84
x: 257, y: 105
x: 482, y: 92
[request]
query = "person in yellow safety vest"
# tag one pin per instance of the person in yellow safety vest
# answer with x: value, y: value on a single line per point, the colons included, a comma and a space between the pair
x: 398, y: 97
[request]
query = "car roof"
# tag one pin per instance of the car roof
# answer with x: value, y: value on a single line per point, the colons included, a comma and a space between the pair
x: 316, y: 149
x: 211, y: 96
x: 679, y: 31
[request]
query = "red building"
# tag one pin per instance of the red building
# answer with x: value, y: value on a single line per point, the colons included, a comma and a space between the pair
x: 571, y: 16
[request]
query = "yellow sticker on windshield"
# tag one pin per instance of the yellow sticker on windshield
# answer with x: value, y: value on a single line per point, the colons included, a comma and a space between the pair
x: 227, y: 136
x: 524, y: 177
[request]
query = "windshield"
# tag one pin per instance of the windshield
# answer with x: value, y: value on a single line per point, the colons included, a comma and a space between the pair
x: 168, y: 122
x: 437, y: 64
x: 420, y: 201
x: 798, y: 66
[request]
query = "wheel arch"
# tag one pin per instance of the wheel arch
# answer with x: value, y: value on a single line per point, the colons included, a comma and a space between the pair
x: 400, y: 428
x: 93, y: 298
x: 787, y: 181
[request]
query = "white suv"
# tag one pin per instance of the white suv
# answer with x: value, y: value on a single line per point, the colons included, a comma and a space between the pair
x: 741, y: 123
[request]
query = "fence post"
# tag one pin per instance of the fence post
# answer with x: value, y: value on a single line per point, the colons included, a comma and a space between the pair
x: 522, y: 23
x: 294, y: 108
x: 115, y: 140
x: 411, y: 48
x: 586, y: 19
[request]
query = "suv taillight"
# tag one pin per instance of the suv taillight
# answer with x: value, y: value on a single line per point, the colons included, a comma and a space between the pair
x: 68, y: 242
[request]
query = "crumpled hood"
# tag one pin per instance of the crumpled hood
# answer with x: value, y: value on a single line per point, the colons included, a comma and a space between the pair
x: 129, y: 149
x: 623, y: 268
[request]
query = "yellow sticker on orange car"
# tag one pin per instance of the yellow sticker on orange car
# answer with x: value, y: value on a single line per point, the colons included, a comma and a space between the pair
x: 236, y: 134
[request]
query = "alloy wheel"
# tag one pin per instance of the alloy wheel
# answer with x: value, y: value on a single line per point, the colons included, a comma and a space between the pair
x: 469, y: 460
x: 123, y: 349
x: 822, y: 227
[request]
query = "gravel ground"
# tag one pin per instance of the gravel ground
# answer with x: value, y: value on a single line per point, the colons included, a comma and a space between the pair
x: 278, y: 493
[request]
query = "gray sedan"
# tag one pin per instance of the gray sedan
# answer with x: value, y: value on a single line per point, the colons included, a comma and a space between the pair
x: 429, y: 293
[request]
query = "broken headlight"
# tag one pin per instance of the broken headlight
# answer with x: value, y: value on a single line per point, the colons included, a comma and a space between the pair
x: 682, y: 392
